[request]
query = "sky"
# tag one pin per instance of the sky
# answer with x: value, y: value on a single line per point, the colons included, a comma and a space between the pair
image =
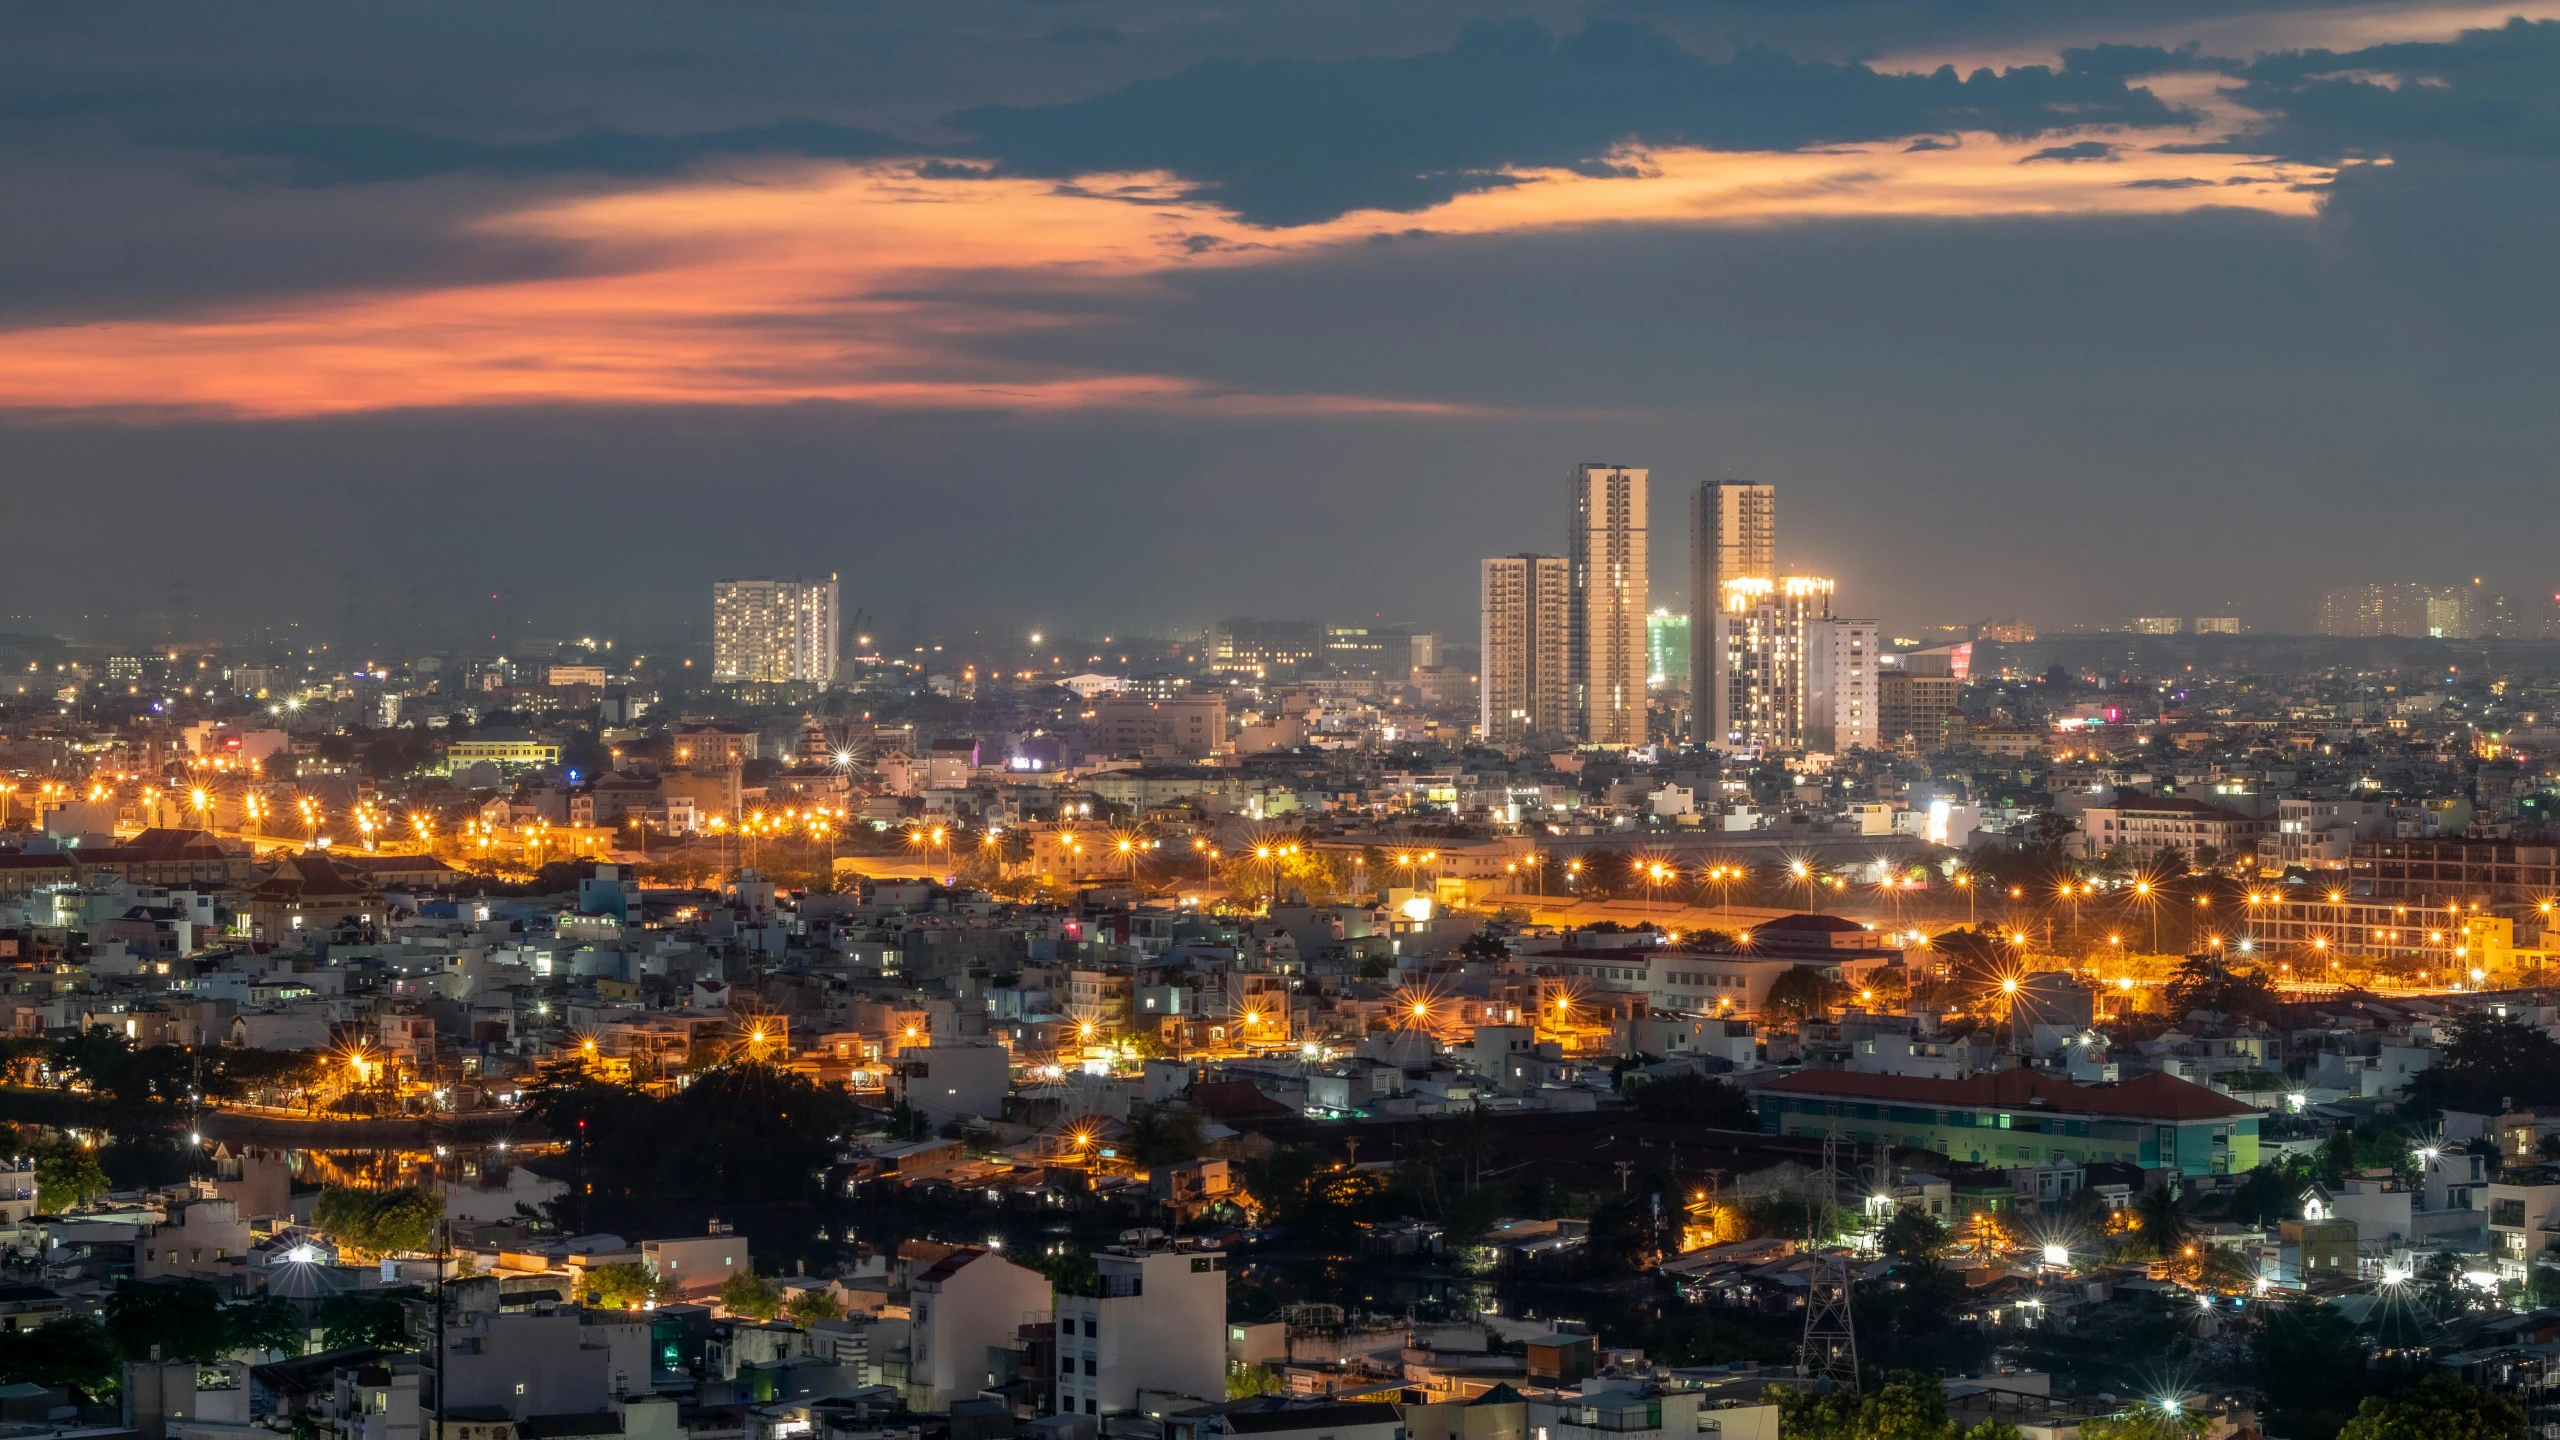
x: 1091, y: 314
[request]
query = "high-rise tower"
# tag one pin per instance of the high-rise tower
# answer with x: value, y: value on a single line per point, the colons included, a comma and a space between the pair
x: 1526, y: 601
x: 774, y: 630
x: 1733, y: 535
x: 1606, y: 703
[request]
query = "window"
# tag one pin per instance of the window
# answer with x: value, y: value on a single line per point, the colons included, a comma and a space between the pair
x: 1088, y: 1366
x: 1092, y: 1327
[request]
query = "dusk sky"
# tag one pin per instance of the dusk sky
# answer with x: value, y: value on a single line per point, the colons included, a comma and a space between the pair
x: 1126, y: 313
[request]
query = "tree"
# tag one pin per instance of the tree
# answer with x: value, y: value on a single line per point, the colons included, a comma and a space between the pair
x: 2437, y: 1408
x: 2148, y: 1422
x: 752, y: 1295
x: 67, y: 1175
x: 1802, y: 993
x: 268, y: 1324
x: 2310, y: 1365
x: 1693, y: 1099
x: 2163, y: 1218
x: 362, y: 1318
x: 1166, y: 1135
x: 1914, y: 1236
x: 906, y: 1122
x: 2204, y: 982
x: 626, y: 1285
x: 181, y: 1319
x: 75, y: 1352
x: 379, y: 1222
x: 2488, y: 1060
x: 810, y: 1306
x: 1909, y: 1405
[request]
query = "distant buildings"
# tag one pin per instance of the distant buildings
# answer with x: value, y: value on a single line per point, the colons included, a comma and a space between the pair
x: 1606, y: 629
x: 1666, y: 639
x: 1733, y: 535
x: 774, y: 631
x: 2451, y: 612
x: 1265, y: 649
x: 1525, y: 605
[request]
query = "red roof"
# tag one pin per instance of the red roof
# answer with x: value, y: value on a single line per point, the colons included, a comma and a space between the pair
x: 1230, y: 1100
x: 2152, y: 1096
x: 949, y: 1265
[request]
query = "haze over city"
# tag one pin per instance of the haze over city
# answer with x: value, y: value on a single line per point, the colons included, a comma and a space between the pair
x: 1308, y: 720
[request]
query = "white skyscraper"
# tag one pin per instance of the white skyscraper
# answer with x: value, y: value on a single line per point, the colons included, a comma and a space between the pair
x: 774, y: 631
x: 1764, y: 627
x: 1526, y: 601
x: 1840, y: 685
x: 1606, y: 630
x: 1733, y: 535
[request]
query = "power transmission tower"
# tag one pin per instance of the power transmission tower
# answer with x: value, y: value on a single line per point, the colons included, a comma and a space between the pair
x: 1829, y: 1355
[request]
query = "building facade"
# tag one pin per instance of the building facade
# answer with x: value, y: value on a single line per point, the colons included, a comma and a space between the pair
x: 1608, y: 601
x: 1840, y: 684
x: 1733, y: 535
x: 1159, y: 1325
x: 1765, y: 627
x: 2015, y: 1118
x: 774, y: 631
x: 1526, y: 604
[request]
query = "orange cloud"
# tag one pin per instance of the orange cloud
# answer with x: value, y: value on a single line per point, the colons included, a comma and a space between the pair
x: 873, y: 285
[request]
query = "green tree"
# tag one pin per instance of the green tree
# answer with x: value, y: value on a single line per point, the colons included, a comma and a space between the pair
x: 76, y: 1352
x: 2437, y: 1408
x: 1914, y: 1236
x: 1246, y: 1381
x: 752, y: 1295
x: 2310, y: 1366
x: 2163, y: 1218
x: 1802, y: 993
x: 2489, y: 1059
x: 67, y: 1175
x: 181, y: 1319
x: 2207, y: 983
x: 808, y: 1307
x: 362, y: 1318
x: 1910, y: 1405
x: 379, y: 1222
x: 1692, y: 1099
x: 2147, y: 1422
x: 627, y: 1285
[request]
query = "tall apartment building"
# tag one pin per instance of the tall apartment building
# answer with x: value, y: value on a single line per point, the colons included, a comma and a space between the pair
x: 1666, y: 640
x: 1915, y: 707
x: 1840, y: 685
x: 1765, y: 627
x: 775, y: 631
x: 1526, y: 603
x: 1606, y: 629
x: 968, y: 1302
x: 1733, y: 535
x: 2454, y: 612
x: 1159, y: 1325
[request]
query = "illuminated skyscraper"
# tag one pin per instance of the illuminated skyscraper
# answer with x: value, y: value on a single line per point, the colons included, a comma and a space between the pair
x: 774, y: 631
x: 1765, y: 628
x: 1526, y: 602
x: 1606, y: 630
x: 1733, y: 535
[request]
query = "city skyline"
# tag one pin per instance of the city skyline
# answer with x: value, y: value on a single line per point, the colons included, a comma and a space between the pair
x: 1200, y: 287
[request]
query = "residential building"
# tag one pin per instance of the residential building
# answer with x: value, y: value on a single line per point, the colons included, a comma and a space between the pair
x: 2217, y: 624
x: 1526, y: 606
x: 775, y: 631
x: 1191, y: 726
x: 1765, y: 627
x: 1733, y: 535
x: 2524, y: 1223
x: 697, y: 1264
x: 1265, y: 649
x: 2150, y: 827
x: 2323, y: 834
x: 967, y: 1303
x: 947, y: 1081
x: 1157, y: 1327
x: 1840, y: 685
x: 2022, y: 1117
x: 1605, y: 656
x: 541, y: 1361
x: 1915, y: 708
x: 2431, y: 872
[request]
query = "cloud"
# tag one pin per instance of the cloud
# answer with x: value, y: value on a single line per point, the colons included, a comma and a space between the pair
x: 1288, y: 142
x: 318, y: 153
x: 2076, y: 150
x: 2490, y: 91
x: 741, y: 288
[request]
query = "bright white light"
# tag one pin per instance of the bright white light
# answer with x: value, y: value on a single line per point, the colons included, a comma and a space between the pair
x: 2057, y: 1254
x: 2392, y: 1275
x: 303, y: 1255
